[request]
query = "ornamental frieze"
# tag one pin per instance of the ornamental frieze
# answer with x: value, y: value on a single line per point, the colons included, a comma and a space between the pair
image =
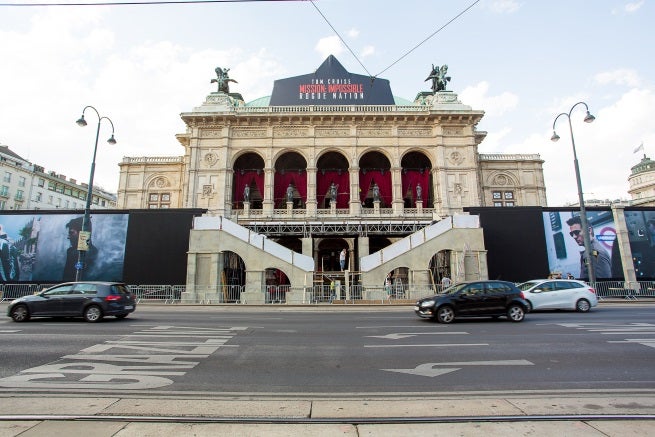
x: 451, y: 131
x: 332, y: 132
x: 414, y: 132
x: 211, y: 133
x: 248, y: 133
x: 374, y: 132
x: 290, y: 132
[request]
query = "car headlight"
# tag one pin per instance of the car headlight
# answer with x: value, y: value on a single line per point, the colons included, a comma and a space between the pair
x: 427, y: 303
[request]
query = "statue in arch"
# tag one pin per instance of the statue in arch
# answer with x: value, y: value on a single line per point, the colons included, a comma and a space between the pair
x: 376, y: 193
x: 438, y: 78
x: 289, y: 193
x: 333, y: 192
x: 246, y: 193
x: 419, y: 192
x: 223, y: 80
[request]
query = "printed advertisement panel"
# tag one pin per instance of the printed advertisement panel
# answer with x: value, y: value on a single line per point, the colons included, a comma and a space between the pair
x: 641, y: 235
x: 565, y: 244
x: 43, y: 247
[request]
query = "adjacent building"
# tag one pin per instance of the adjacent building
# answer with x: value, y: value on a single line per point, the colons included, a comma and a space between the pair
x: 27, y: 186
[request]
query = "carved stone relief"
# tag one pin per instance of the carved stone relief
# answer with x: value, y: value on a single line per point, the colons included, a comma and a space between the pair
x: 211, y: 159
x: 456, y: 158
x: 160, y: 182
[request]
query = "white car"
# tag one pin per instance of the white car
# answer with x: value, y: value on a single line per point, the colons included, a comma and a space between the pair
x: 562, y: 294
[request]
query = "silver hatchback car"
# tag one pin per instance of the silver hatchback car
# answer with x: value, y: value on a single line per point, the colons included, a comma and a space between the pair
x: 560, y: 294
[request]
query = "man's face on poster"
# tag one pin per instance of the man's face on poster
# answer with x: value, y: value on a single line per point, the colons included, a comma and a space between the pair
x: 73, y: 235
x: 575, y: 231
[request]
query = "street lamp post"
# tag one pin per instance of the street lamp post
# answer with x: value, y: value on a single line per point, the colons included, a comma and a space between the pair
x: 82, y: 248
x: 583, y: 212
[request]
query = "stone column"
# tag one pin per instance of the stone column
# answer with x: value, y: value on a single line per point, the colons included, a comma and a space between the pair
x: 268, y: 203
x: 355, y: 198
x: 438, y: 195
x: 397, y: 191
x: 311, y: 192
x: 622, y: 239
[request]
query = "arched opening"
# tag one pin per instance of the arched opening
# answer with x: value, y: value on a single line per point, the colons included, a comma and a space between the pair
x: 375, y: 180
x: 277, y: 285
x: 332, y: 180
x: 416, y: 180
x: 396, y: 283
x: 233, y: 277
x: 290, y: 181
x: 248, y: 181
x: 440, y: 269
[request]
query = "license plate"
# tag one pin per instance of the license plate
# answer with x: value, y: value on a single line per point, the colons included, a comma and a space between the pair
x: 128, y: 307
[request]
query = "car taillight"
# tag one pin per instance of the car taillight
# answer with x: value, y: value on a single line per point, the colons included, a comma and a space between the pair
x: 522, y: 295
x: 112, y: 298
x: 592, y: 290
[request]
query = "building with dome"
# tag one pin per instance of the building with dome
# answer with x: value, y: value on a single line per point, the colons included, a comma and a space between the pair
x: 642, y: 183
x: 331, y: 160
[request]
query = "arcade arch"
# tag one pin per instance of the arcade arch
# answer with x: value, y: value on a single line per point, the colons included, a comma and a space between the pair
x: 416, y: 171
x: 248, y: 171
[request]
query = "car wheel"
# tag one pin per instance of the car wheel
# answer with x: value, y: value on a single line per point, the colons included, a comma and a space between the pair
x: 93, y: 314
x: 121, y: 316
x: 445, y: 314
x: 582, y: 306
x: 516, y: 313
x: 20, y: 313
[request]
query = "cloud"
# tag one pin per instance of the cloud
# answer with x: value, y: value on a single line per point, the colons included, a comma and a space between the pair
x: 367, y: 51
x: 476, y: 97
x: 505, y: 6
x: 141, y: 88
x: 618, y: 77
x: 353, y: 33
x: 605, y: 149
x: 330, y: 45
x: 633, y: 6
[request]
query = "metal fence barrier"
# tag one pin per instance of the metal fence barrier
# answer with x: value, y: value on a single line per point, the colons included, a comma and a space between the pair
x: 624, y: 289
x: 317, y: 294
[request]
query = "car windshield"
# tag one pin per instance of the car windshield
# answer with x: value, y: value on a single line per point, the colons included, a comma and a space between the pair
x: 455, y: 288
x: 527, y: 285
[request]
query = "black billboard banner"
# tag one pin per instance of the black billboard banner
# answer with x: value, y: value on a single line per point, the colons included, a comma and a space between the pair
x: 331, y: 84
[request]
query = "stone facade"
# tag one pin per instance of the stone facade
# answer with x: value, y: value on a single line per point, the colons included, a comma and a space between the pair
x: 307, y: 177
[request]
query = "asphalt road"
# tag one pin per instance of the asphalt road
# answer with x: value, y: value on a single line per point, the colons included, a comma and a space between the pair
x: 314, y: 352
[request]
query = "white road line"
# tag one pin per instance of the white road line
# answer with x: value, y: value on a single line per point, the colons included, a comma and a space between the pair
x: 427, y: 345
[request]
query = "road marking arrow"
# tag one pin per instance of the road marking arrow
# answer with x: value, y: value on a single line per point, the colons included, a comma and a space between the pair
x: 429, y: 369
x: 400, y: 335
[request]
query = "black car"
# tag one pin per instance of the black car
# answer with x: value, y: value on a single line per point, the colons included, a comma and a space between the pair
x: 91, y: 300
x: 475, y: 299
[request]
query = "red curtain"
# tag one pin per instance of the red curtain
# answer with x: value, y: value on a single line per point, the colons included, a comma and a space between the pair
x: 323, y: 182
x: 383, y: 179
x: 410, y: 179
x: 294, y: 177
x: 248, y: 177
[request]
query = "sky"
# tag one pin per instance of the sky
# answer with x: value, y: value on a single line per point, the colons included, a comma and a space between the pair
x: 521, y: 62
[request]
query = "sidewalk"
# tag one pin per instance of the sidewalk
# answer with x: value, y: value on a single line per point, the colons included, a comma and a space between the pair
x: 523, y: 415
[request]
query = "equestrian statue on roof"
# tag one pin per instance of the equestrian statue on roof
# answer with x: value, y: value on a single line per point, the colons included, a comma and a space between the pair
x: 439, y: 78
